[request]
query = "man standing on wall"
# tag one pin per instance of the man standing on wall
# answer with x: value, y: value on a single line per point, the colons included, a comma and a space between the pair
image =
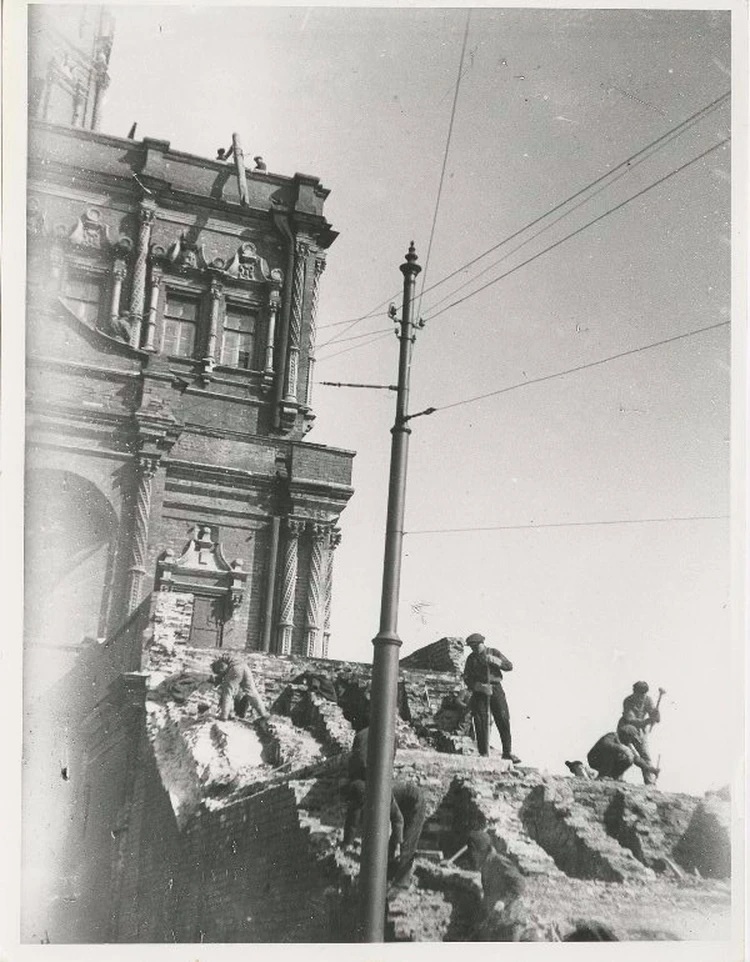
x: 483, y: 675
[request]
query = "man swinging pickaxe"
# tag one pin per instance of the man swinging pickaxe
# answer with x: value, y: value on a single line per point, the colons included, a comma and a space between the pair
x: 639, y: 715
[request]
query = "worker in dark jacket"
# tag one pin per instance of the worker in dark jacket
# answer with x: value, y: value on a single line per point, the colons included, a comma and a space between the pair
x: 639, y: 714
x: 237, y: 689
x: 611, y: 758
x: 483, y: 675
x: 408, y: 812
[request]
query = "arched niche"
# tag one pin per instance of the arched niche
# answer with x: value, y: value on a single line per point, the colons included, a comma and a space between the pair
x: 71, y: 532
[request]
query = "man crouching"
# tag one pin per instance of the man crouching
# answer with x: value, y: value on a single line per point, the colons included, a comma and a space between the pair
x: 237, y: 688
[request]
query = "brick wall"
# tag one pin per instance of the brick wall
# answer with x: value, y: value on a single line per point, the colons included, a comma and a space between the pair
x: 447, y: 654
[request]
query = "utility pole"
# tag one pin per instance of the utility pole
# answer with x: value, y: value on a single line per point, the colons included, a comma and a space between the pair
x: 386, y: 644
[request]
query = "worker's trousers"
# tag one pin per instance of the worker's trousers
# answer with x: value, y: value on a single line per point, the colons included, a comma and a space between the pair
x: 481, y: 707
x: 637, y: 739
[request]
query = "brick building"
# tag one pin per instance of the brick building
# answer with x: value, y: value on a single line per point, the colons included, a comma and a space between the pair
x: 171, y: 343
x: 171, y: 327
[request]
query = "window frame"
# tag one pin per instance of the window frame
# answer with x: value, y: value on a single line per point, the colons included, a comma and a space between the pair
x: 252, y: 309
x: 169, y: 289
x: 77, y: 270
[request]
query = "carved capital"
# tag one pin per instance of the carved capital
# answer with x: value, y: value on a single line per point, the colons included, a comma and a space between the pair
x: 147, y: 212
x: 319, y: 530
x: 295, y: 526
x: 148, y: 465
x: 320, y: 265
x: 216, y: 289
x: 335, y: 539
x: 119, y: 270
x: 301, y: 248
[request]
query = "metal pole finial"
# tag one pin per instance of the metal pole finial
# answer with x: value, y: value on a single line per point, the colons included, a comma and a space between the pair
x: 411, y: 266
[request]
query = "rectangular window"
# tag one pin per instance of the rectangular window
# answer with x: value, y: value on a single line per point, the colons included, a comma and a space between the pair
x: 180, y: 325
x: 239, y: 337
x: 84, y: 295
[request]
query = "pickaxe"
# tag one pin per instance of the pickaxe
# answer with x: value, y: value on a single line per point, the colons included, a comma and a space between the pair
x: 662, y: 692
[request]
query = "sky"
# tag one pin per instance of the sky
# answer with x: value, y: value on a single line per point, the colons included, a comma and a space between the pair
x: 577, y: 563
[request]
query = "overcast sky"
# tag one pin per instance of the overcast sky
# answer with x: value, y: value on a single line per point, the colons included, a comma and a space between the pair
x: 549, y: 101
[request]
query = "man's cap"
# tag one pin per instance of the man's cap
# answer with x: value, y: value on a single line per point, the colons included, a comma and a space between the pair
x: 640, y: 686
x: 475, y: 639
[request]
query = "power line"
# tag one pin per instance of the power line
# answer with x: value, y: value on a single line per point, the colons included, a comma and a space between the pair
x: 628, y: 162
x: 445, y: 158
x: 337, y: 338
x: 579, y: 230
x: 569, y: 524
x: 624, y: 170
x: 580, y: 367
x: 354, y: 347
x: 357, y: 337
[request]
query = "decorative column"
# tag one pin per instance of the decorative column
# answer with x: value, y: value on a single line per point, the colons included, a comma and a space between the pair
x: 77, y: 104
x: 316, y: 590
x: 209, y: 361
x: 294, y: 527
x: 156, y: 276
x: 100, y: 87
x: 147, y: 466
x: 320, y: 266
x: 118, y: 272
x: 147, y: 215
x: 274, y: 300
x: 333, y: 542
x: 295, y: 326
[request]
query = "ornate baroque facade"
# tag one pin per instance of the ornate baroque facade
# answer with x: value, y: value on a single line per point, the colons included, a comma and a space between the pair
x: 171, y: 342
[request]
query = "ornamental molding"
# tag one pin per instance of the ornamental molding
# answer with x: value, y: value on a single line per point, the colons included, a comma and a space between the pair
x: 248, y: 265
x: 91, y: 231
x: 202, y: 569
x: 186, y: 255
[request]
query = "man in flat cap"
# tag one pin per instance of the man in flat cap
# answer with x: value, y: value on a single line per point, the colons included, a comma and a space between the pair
x: 483, y: 675
x: 639, y: 714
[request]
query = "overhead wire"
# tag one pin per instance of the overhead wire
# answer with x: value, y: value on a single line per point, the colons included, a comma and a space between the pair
x: 445, y: 159
x: 354, y: 347
x: 624, y: 170
x: 357, y: 337
x: 557, y: 243
x: 629, y: 163
x: 667, y: 137
x: 569, y: 524
x: 336, y: 338
x: 579, y: 230
x: 574, y: 370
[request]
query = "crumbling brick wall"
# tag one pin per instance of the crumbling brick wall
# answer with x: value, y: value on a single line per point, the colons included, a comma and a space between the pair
x: 446, y: 655
x: 574, y: 838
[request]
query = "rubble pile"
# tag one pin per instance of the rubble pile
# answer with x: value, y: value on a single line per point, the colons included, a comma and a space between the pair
x: 620, y: 854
